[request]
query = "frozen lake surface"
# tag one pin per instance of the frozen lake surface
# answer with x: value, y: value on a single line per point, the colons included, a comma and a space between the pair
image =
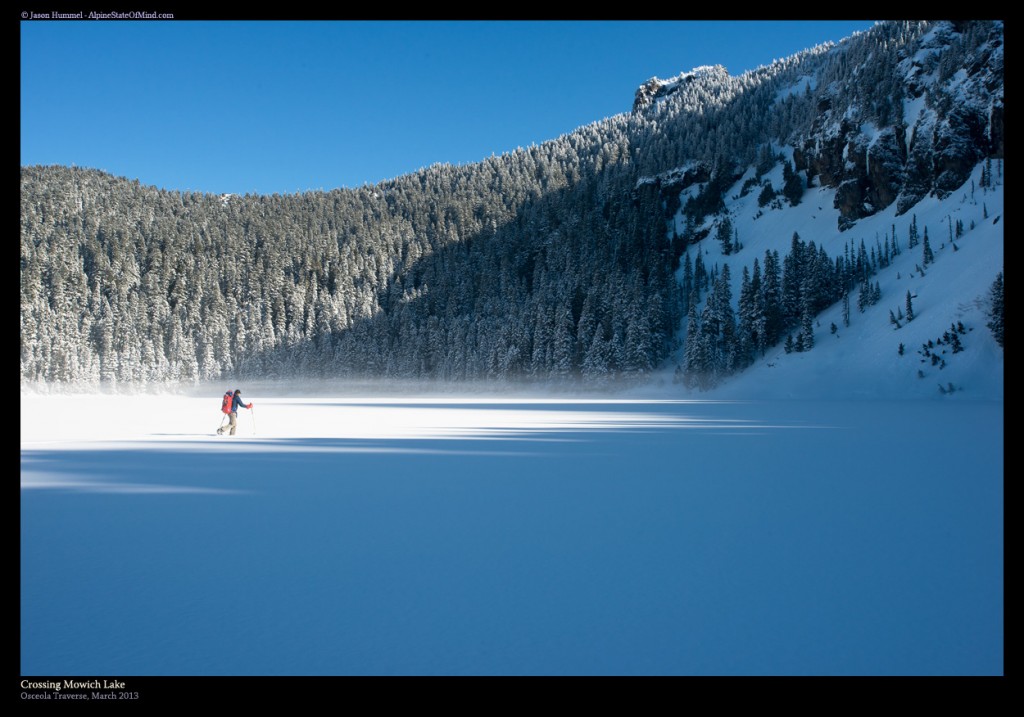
x: 345, y: 536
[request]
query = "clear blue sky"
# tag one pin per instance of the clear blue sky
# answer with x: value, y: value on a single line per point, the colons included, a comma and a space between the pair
x: 288, y: 106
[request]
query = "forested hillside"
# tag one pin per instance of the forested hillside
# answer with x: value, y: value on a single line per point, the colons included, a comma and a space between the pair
x: 555, y: 262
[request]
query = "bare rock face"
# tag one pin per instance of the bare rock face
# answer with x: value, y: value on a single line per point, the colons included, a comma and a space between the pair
x: 872, y: 175
x: 997, y: 131
x: 918, y: 173
x: 886, y: 158
x: 959, y: 143
x: 678, y: 181
x: 823, y: 159
x: 850, y: 203
x: 958, y: 120
x: 646, y: 94
x: 896, y: 126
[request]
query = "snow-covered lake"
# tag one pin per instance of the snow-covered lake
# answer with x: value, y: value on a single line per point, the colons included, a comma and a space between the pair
x: 344, y: 536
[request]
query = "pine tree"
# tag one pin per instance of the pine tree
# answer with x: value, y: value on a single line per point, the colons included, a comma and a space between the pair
x: 794, y: 267
x: 770, y: 299
x: 807, y: 324
x: 995, y: 313
x: 563, y: 342
x: 912, y: 239
x: 767, y: 194
x: 765, y: 159
x: 692, y: 358
x: 724, y: 235
x: 700, y: 274
x: 927, y: 255
x: 702, y: 337
x: 758, y: 321
x: 726, y: 348
x: 910, y: 308
x: 792, y: 184
x: 747, y: 334
x: 956, y: 344
x: 687, y: 285
x: 595, y: 363
x: 826, y: 282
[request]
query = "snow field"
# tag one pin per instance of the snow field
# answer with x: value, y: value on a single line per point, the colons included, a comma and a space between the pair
x: 522, y: 536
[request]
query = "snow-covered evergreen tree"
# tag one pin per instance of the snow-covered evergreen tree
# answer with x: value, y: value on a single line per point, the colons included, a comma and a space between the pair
x: 725, y: 235
x: 927, y: 255
x: 995, y: 313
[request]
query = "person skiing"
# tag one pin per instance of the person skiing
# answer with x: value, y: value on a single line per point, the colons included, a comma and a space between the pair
x: 236, y: 403
x: 225, y: 408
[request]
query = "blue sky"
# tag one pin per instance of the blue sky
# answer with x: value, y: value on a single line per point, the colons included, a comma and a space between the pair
x: 288, y: 106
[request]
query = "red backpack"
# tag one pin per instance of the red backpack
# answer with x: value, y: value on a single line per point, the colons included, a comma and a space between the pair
x: 225, y: 405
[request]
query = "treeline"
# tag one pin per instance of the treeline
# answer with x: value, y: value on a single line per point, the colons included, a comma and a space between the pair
x: 525, y: 267
x: 776, y: 299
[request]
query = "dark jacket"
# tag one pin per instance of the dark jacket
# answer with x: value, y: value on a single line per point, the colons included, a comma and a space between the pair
x: 238, y: 402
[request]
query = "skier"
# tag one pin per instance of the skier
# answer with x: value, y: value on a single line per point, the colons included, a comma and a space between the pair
x: 235, y: 404
x: 225, y: 408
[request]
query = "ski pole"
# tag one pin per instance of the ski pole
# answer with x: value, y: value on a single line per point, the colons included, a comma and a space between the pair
x: 221, y: 426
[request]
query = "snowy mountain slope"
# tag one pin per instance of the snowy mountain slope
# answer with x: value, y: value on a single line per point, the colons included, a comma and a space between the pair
x: 862, y: 360
x: 872, y: 136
